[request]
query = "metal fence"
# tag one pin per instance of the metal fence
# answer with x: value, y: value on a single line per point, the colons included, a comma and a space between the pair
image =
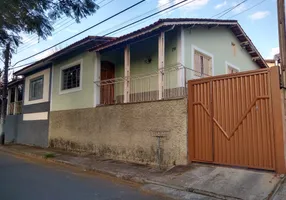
x: 145, y: 87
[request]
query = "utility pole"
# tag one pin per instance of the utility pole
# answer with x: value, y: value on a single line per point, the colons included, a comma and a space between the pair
x: 5, y: 90
x: 282, y: 37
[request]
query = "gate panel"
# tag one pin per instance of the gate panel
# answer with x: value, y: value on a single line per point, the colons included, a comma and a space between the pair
x: 202, y: 119
x: 242, y: 134
x: 231, y: 120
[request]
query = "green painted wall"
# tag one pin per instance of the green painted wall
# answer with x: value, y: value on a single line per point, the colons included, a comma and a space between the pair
x: 217, y: 41
x: 79, y: 99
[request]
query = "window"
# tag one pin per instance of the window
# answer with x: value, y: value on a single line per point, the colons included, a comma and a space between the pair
x: 36, y: 88
x: 231, y: 69
x: 71, y: 77
x: 202, y: 64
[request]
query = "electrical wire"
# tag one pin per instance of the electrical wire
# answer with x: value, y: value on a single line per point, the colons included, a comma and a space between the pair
x: 231, y: 9
x: 118, y: 13
x: 30, y: 41
x: 248, y: 9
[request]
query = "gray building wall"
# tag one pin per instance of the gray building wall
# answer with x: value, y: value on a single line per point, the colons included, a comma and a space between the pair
x: 34, y: 133
x: 21, y: 129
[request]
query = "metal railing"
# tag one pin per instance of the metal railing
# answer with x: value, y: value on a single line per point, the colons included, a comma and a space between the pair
x: 145, y: 87
x: 14, y: 108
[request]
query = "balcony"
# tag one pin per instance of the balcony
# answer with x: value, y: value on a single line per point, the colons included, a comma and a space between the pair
x: 145, y: 87
x: 14, y: 108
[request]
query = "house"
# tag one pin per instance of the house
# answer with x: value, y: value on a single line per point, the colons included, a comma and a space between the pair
x: 270, y: 62
x: 110, y: 100
x: 28, y: 112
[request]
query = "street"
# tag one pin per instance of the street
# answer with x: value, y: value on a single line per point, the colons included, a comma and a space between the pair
x: 25, y: 179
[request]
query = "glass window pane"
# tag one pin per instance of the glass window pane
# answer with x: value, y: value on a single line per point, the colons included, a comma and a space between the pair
x: 71, y: 77
x: 36, y: 88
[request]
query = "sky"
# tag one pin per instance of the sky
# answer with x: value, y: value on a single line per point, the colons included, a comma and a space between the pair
x: 259, y: 23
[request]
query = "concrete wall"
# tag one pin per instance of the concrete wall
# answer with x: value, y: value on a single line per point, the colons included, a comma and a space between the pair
x: 26, y: 132
x: 218, y: 42
x: 124, y: 132
x: 11, y: 127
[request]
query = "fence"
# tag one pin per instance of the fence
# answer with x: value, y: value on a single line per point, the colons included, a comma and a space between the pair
x: 14, y: 108
x: 145, y: 87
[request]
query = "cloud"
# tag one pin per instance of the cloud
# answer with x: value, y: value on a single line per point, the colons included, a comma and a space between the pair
x: 188, y: 6
x: 162, y: 2
x: 71, y: 30
x: 219, y: 6
x: 195, y: 5
x: 50, y: 38
x: 44, y: 54
x: 259, y: 15
x: 273, y: 52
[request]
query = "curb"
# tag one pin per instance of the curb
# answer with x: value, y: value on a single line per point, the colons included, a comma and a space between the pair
x: 131, y: 178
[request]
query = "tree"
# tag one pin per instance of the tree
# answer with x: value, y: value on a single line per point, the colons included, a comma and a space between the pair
x: 33, y: 17
x: 37, y: 16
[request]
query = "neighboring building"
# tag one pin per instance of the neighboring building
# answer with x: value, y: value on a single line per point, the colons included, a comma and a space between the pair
x: 28, y: 117
x: 150, y: 64
x: 270, y: 62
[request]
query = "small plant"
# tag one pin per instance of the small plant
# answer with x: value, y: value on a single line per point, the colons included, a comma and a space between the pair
x: 49, y: 155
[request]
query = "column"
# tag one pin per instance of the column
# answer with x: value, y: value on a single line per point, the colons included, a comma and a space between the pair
x: 16, y: 101
x: 97, y: 72
x: 181, y: 58
x: 161, y: 64
x: 8, y: 101
x: 127, y: 74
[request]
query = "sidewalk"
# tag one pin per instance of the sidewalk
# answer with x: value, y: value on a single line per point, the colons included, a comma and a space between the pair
x: 182, y: 182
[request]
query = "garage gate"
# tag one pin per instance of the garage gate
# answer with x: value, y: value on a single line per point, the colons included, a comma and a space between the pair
x: 236, y: 120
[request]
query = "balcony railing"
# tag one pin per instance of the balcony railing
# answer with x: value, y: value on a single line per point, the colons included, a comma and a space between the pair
x: 145, y: 87
x: 14, y: 108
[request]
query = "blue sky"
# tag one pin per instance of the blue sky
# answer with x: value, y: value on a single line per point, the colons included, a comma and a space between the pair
x: 260, y: 23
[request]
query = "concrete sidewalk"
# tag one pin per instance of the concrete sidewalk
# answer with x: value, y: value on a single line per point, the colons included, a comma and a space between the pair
x: 181, y: 182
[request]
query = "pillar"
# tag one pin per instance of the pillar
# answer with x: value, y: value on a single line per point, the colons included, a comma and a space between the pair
x: 97, y: 72
x: 181, y: 58
x: 161, y: 64
x: 15, y: 101
x: 127, y: 74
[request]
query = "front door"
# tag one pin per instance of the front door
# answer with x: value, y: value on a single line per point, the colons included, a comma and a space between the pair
x: 107, y: 88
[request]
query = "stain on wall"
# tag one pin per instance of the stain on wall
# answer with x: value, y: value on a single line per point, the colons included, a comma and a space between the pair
x: 125, y: 132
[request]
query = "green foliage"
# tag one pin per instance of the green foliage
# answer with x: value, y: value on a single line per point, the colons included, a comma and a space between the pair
x: 49, y: 155
x: 38, y: 16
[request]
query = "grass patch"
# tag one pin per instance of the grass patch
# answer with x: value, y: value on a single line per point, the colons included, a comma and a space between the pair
x: 49, y: 155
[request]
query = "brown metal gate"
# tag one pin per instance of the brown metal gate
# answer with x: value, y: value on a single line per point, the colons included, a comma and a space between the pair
x: 231, y: 119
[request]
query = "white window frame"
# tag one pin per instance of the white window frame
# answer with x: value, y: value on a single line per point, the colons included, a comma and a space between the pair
x: 80, y: 82
x: 33, y: 79
x: 195, y: 48
x: 228, y: 64
x: 46, y: 86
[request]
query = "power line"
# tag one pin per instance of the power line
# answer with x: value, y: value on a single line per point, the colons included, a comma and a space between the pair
x: 147, y: 17
x: 248, y: 8
x: 62, y: 23
x: 232, y: 8
x: 144, y: 21
x: 122, y: 11
x: 118, y: 25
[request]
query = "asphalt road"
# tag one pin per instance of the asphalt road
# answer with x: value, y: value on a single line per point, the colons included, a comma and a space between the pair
x: 24, y: 179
